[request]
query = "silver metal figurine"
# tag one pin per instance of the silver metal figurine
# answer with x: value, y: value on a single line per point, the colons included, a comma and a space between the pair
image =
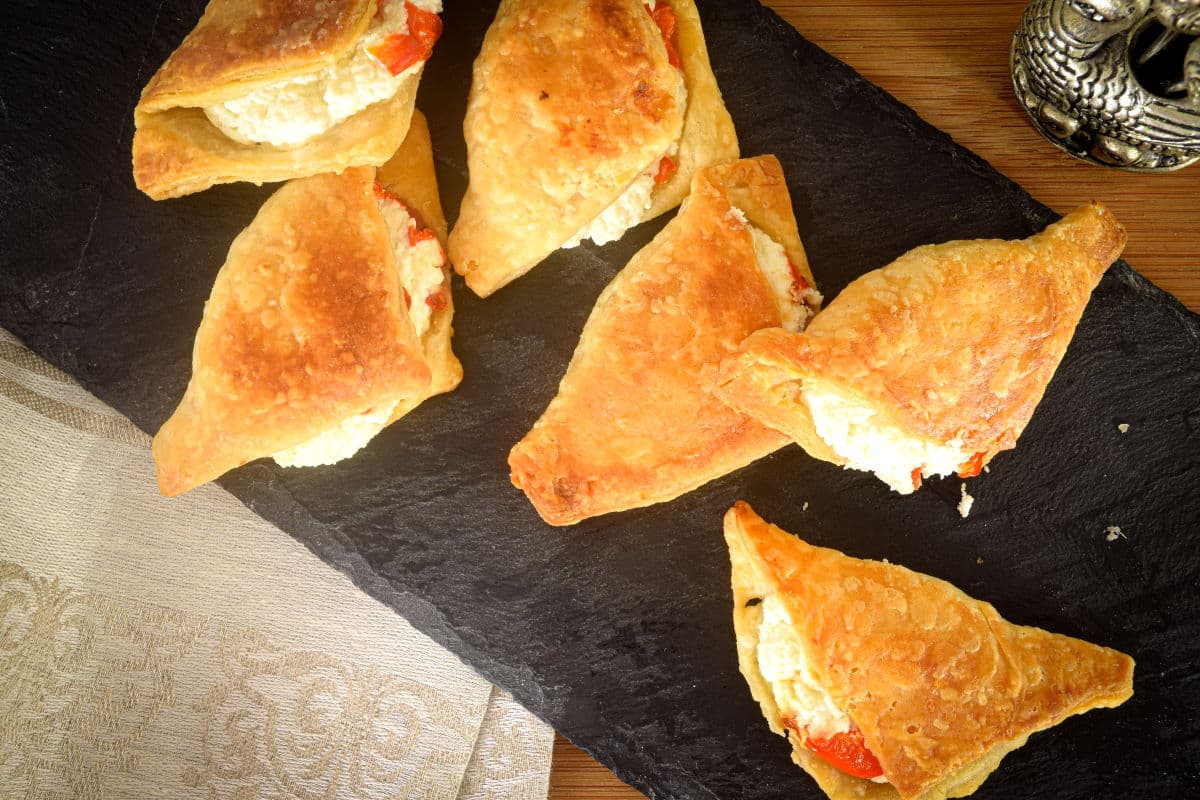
x: 1114, y: 82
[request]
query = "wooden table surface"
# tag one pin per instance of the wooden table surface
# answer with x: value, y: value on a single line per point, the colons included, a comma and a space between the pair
x: 948, y: 59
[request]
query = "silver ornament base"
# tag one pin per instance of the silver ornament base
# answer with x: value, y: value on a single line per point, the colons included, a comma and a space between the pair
x: 1077, y: 68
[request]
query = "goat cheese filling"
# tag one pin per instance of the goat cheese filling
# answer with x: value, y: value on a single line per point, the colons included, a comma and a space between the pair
x: 295, y: 110
x: 856, y: 434
x: 794, y: 296
x: 783, y: 663
x: 419, y: 262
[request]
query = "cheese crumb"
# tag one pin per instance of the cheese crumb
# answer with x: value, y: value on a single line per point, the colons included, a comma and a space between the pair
x: 964, y: 505
x: 1114, y: 532
x: 805, y: 506
x: 1123, y: 427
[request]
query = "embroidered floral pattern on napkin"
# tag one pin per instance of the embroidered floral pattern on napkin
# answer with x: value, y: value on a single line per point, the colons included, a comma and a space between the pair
x: 189, y: 649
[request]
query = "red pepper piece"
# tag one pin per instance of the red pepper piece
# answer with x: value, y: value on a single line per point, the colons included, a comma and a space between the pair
x: 800, y: 284
x: 666, y: 168
x: 416, y: 235
x: 383, y: 194
x: 916, y: 478
x: 400, y: 51
x: 664, y: 18
x: 971, y: 468
x: 437, y: 300
x: 848, y: 752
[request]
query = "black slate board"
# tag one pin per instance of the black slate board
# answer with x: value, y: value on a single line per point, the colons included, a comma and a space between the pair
x: 617, y: 631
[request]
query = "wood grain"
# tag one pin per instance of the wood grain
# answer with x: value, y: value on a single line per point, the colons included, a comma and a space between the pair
x: 948, y: 59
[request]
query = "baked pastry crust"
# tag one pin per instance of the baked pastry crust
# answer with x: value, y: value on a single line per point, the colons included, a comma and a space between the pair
x: 305, y: 327
x: 409, y: 175
x: 571, y: 101
x: 634, y: 421
x: 954, y: 341
x: 236, y: 47
x: 708, y: 134
x: 941, y: 686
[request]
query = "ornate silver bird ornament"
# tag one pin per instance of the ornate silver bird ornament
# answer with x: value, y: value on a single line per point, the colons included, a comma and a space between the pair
x: 1114, y: 82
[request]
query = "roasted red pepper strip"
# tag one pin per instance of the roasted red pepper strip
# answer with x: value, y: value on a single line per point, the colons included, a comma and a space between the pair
x: 383, y: 194
x: 664, y: 18
x: 400, y: 51
x: 971, y: 468
x: 848, y: 752
x: 437, y: 300
x: 845, y: 751
x: 916, y: 477
x: 800, y: 284
x: 416, y: 235
x: 666, y: 168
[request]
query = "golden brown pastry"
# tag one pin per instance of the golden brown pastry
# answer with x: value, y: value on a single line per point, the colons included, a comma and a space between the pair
x: 330, y: 318
x: 585, y: 118
x: 934, y: 363
x: 892, y: 684
x: 266, y: 90
x: 634, y: 421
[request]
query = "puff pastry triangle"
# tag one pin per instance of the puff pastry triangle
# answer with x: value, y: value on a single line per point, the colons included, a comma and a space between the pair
x: 934, y: 363
x: 310, y: 343
x: 934, y: 684
x: 576, y: 108
x: 634, y: 421
x: 267, y: 90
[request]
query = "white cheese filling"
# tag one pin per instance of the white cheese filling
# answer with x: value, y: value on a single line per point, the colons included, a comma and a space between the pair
x: 784, y: 664
x: 295, y: 110
x: 419, y: 266
x: 855, y: 433
x: 338, y: 442
x: 795, y: 305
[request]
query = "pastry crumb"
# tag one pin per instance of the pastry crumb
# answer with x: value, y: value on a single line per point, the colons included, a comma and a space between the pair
x: 979, y: 561
x: 1123, y: 427
x: 1114, y: 532
x: 964, y: 505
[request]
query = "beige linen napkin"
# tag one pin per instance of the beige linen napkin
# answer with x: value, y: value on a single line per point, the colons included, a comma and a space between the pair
x: 186, y: 648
